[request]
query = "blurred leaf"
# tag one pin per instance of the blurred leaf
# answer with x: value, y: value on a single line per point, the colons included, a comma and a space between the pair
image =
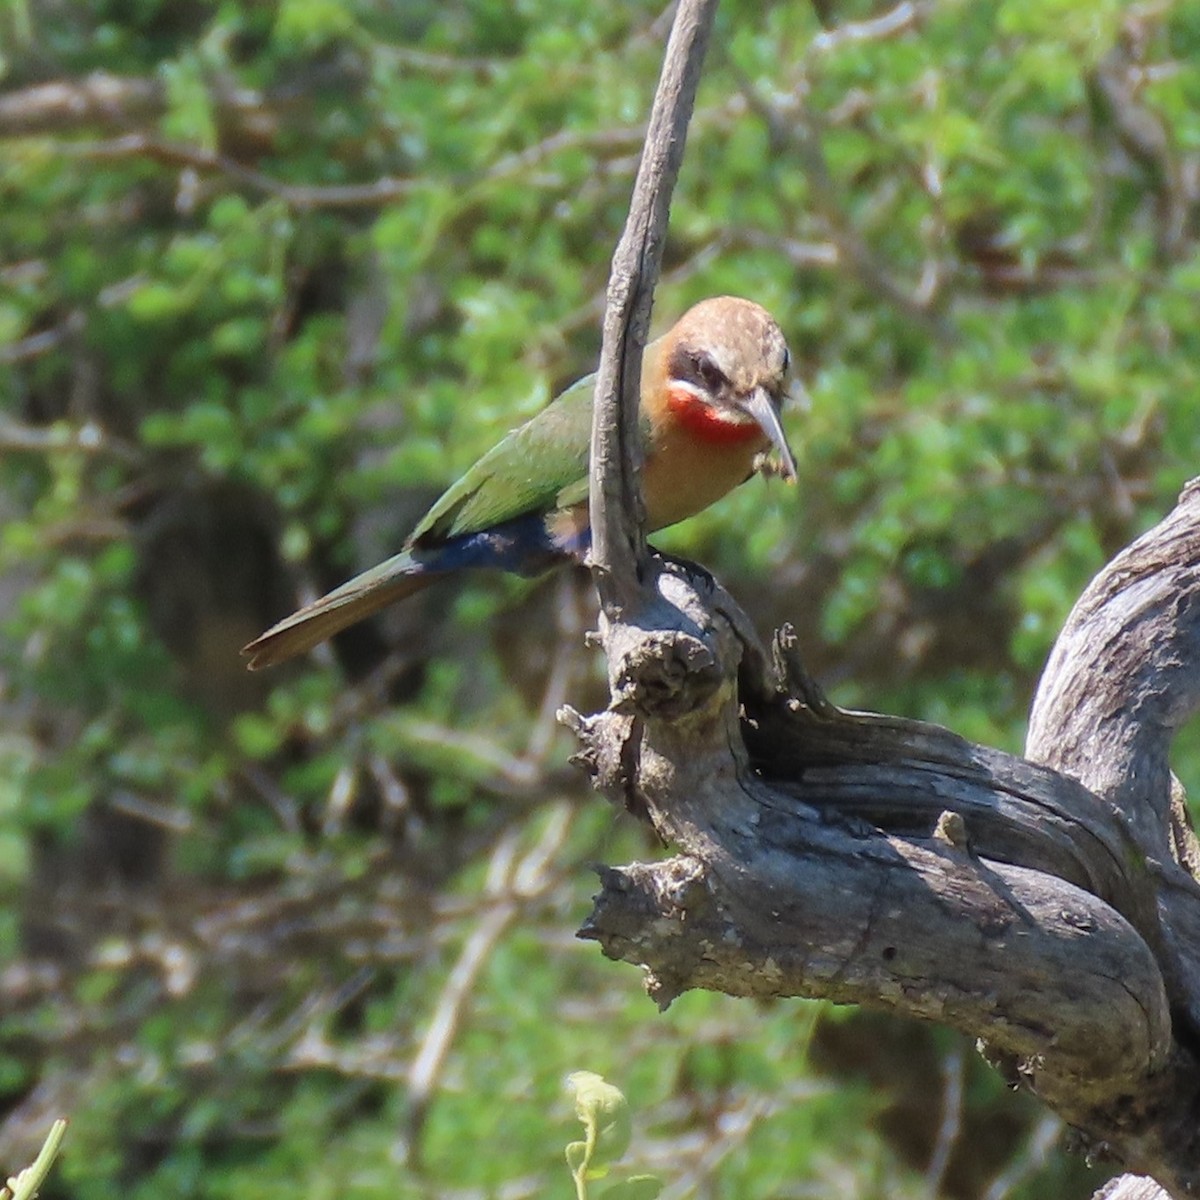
x: 604, y: 1113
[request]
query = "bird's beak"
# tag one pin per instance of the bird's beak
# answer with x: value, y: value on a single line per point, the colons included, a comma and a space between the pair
x: 759, y: 405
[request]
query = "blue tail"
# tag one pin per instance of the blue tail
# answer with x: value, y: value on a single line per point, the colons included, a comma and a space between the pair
x: 524, y: 546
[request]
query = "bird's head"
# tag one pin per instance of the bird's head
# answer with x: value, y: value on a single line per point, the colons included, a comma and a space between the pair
x: 726, y: 368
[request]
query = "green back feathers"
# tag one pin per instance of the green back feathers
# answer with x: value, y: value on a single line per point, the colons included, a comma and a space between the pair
x: 540, y: 467
x: 524, y: 472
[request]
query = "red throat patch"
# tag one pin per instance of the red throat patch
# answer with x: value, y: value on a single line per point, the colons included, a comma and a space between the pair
x: 703, y: 422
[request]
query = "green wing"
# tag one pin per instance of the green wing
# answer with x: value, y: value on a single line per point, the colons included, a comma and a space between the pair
x: 539, y: 467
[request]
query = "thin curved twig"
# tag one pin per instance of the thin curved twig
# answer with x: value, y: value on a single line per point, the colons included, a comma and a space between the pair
x: 618, y: 539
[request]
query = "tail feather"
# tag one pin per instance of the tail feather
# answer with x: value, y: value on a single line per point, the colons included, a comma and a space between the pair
x: 526, y: 546
x: 352, y: 602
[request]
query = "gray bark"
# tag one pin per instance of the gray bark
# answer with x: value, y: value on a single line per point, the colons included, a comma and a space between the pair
x: 618, y: 541
x: 1048, y: 912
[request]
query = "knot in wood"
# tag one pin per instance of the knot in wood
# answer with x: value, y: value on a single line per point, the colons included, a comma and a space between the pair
x: 667, y: 674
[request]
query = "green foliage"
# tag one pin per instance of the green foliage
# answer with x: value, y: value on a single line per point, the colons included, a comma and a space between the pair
x: 285, y: 275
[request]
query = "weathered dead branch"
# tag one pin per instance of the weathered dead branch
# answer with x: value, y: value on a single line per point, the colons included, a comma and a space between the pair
x: 892, y: 863
x: 1046, y: 909
x: 1045, y: 905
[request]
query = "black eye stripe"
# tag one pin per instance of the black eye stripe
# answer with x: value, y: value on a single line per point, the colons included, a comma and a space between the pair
x: 711, y: 373
x: 697, y: 367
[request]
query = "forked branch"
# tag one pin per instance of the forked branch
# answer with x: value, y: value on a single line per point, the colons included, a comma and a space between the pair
x: 894, y: 864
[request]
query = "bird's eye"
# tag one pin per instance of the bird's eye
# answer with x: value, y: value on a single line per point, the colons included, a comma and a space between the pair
x: 787, y: 360
x: 711, y: 375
